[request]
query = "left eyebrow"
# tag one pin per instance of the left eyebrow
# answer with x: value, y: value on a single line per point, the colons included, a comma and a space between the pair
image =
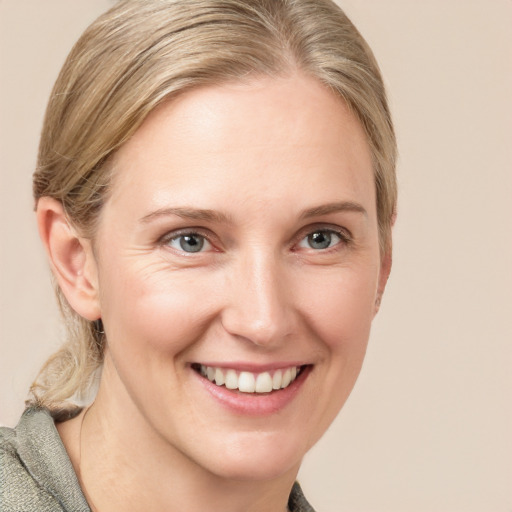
x: 324, y: 209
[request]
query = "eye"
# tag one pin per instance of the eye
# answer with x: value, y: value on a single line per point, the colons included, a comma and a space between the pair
x: 189, y: 242
x: 321, y: 239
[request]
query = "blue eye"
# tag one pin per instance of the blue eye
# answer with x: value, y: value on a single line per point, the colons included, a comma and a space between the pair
x: 189, y: 242
x: 321, y: 239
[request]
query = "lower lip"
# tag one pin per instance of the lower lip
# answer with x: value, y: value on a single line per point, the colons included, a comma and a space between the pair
x: 255, y: 404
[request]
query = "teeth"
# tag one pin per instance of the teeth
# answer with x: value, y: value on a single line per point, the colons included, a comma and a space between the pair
x: 219, y: 377
x: 287, y: 377
x: 231, y: 379
x: 263, y: 383
x: 277, y: 379
x: 248, y: 382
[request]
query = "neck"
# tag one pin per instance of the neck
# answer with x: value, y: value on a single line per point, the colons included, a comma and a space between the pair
x: 123, y: 464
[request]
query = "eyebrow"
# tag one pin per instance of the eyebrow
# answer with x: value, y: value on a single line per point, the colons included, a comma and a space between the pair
x: 188, y: 213
x: 342, y: 206
x: 216, y: 216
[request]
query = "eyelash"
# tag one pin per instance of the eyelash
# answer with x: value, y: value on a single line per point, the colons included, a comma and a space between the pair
x: 345, y: 238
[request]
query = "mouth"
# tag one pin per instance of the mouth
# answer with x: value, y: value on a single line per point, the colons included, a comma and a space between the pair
x: 265, y: 382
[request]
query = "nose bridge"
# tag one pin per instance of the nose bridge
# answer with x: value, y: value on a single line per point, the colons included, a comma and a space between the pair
x: 259, y: 308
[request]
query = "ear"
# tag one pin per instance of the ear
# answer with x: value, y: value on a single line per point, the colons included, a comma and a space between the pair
x: 385, y: 270
x: 71, y: 258
x: 385, y: 265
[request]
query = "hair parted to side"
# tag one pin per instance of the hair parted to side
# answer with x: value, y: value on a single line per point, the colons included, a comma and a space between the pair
x: 143, y: 52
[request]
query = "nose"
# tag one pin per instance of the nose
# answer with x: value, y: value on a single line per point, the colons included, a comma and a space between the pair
x: 259, y: 306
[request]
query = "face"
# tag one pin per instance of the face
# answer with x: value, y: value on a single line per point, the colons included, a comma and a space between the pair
x: 238, y: 268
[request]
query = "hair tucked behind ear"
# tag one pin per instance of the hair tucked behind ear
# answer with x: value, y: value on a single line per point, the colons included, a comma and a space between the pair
x: 144, y: 52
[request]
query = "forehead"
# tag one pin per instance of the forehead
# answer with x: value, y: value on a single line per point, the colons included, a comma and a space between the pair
x: 259, y: 138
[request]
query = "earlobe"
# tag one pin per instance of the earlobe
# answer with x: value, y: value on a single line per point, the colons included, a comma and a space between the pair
x: 71, y: 258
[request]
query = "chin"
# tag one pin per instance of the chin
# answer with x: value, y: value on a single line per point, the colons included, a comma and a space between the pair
x: 249, y: 469
x: 256, y: 456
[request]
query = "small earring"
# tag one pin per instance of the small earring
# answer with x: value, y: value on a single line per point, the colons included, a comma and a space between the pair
x: 98, y: 325
x: 378, y: 300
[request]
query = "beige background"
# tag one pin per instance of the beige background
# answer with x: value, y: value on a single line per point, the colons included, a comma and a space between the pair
x: 429, y: 425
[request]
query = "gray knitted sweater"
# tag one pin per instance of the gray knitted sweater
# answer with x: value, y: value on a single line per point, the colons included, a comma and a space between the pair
x: 36, y: 474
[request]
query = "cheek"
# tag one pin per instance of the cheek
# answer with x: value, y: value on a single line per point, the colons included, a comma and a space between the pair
x: 340, y: 310
x: 339, y: 313
x: 155, y: 309
x: 151, y: 318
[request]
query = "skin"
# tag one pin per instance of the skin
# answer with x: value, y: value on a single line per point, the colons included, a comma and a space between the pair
x: 270, y: 158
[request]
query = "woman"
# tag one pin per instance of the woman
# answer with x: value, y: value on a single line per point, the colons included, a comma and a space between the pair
x: 215, y: 190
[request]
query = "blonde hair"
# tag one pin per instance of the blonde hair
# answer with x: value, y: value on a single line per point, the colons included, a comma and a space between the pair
x: 142, y: 52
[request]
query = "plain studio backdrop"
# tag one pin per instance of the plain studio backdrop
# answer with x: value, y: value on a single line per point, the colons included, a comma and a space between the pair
x: 429, y: 424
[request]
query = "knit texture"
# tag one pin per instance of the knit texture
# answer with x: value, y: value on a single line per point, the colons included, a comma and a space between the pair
x: 37, y: 475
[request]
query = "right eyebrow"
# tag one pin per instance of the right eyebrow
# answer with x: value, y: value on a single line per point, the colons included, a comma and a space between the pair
x: 187, y: 213
x: 342, y: 206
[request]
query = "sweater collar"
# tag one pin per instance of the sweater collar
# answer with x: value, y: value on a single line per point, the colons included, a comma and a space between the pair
x: 41, y: 450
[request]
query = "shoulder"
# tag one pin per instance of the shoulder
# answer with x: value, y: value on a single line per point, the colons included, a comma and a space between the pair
x: 19, y: 490
x: 35, y: 472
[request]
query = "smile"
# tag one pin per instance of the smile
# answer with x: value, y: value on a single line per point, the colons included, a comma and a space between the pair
x: 249, y: 382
